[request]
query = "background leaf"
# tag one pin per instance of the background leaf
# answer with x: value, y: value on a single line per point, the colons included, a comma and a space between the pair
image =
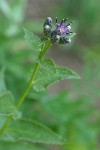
x: 19, y: 146
x: 13, y: 11
x: 51, y: 73
x: 5, y: 8
x: 7, y: 104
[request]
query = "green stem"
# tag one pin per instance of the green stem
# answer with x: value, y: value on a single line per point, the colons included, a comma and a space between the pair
x: 5, y: 125
x: 21, y: 100
x: 28, y: 86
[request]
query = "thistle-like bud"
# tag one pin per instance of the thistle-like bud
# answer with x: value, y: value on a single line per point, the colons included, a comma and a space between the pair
x: 59, y: 35
x: 47, y: 27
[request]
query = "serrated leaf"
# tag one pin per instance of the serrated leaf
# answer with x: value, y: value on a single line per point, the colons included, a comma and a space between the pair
x: 51, y: 73
x: 31, y: 131
x: 18, y: 146
x: 32, y: 40
x: 7, y: 105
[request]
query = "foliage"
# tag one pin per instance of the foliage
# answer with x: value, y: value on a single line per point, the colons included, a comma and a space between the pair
x: 51, y: 73
x: 32, y: 131
x: 36, y: 132
x: 15, y: 64
x: 7, y: 105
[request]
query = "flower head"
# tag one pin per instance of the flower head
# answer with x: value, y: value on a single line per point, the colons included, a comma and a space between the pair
x: 59, y: 35
x: 62, y: 28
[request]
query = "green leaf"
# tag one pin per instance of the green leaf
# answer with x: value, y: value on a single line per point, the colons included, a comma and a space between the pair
x: 31, y: 131
x: 51, y: 73
x: 18, y: 146
x: 32, y: 40
x: 7, y: 105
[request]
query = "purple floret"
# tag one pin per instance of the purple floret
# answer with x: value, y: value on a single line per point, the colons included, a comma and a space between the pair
x: 62, y: 28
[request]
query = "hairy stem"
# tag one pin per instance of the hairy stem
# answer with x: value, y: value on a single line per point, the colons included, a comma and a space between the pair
x: 28, y: 86
x: 44, y: 48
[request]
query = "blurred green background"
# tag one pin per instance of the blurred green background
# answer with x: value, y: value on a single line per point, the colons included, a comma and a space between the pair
x: 71, y: 108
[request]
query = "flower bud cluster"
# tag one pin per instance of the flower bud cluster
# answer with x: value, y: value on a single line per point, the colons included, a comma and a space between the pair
x: 59, y: 35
